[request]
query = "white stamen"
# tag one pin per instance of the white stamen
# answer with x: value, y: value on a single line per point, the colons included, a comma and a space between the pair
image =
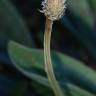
x: 53, y: 9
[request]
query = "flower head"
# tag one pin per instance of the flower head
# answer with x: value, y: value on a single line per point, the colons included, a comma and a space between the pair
x: 53, y: 9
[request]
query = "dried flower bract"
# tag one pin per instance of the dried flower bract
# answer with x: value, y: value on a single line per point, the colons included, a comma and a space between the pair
x: 53, y: 9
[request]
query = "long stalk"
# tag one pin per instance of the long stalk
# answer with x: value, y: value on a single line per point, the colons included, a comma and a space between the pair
x: 47, y: 57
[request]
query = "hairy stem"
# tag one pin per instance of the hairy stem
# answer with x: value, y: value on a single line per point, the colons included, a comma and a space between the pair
x: 47, y: 57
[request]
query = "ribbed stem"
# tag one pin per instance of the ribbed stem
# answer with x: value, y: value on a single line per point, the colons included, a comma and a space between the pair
x: 47, y: 57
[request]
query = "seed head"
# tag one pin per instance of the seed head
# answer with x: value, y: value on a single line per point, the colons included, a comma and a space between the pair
x: 53, y: 9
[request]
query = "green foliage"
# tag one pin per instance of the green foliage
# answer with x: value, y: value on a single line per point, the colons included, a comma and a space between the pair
x: 75, y: 78
x: 12, y: 26
x: 27, y: 59
x: 82, y: 10
x: 84, y: 13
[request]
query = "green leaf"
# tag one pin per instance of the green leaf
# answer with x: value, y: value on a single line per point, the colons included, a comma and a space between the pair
x: 72, y: 71
x: 82, y: 10
x: 12, y: 26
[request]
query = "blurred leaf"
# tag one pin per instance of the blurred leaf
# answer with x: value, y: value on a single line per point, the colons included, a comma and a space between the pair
x: 71, y: 70
x: 82, y: 24
x: 82, y: 10
x: 92, y: 4
x: 12, y: 26
x: 85, y: 36
x: 43, y: 90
